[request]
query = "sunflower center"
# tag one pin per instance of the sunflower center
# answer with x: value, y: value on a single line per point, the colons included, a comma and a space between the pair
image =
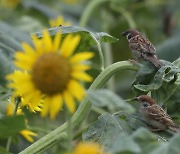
x: 51, y: 73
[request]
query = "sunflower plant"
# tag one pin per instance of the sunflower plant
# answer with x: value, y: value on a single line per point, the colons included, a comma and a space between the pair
x: 67, y: 86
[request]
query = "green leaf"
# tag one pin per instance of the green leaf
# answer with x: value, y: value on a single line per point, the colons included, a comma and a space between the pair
x: 168, y: 89
x: 106, y: 98
x: 11, y: 125
x: 6, y: 68
x: 172, y: 147
x: 3, y: 151
x: 125, y: 144
x: 146, y: 140
x: 10, y: 42
x: 14, y: 33
x: 149, y: 78
x: 84, y: 33
x: 129, y: 122
x: 104, y: 130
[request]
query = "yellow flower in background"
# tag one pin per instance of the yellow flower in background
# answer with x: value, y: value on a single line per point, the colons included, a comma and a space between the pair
x: 9, y: 3
x: 52, y: 72
x: 88, y: 148
x: 59, y: 21
x: 27, y: 134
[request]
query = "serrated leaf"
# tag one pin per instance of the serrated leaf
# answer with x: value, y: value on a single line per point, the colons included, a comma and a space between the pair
x: 106, y: 98
x: 104, y: 130
x: 11, y: 125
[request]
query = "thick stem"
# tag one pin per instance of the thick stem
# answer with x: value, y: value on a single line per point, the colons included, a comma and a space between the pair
x: 53, y: 137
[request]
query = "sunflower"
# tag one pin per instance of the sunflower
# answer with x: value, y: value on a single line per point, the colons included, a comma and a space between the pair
x: 88, y: 148
x: 59, y: 21
x: 27, y: 134
x: 50, y: 71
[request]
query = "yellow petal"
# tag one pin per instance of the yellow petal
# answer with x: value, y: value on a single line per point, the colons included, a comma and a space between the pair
x: 57, y: 41
x: 69, y: 101
x: 81, y: 76
x: 82, y: 56
x: 79, y: 92
x: 27, y: 48
x: 47, y: 41
x: 38, y: 44
x: 69, y: 45
x: 80, y: 67
x: 45, y: 107
x: 55, y: 105
x: 27, y: 135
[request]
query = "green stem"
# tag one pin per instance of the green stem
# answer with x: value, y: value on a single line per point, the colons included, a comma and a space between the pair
x: 53, y: 137
x: 126, y: 15
x: 17, y: 101
x: 88, y: 10
x: 102, y: 63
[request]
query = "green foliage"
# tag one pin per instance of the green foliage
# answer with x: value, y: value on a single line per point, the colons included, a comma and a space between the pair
x: 11, y: 125
x: 120, y: 129
x: 106, y: 98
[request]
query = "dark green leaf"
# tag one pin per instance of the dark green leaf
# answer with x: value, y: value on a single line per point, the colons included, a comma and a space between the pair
x: 151, y: 79
x: 11, y: 125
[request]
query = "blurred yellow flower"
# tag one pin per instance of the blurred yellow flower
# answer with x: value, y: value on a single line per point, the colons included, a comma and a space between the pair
x: 88, y: 148
x: 59, y: 21
x: 9, y: 3
x: 51, y: 72
x: 27, y: 134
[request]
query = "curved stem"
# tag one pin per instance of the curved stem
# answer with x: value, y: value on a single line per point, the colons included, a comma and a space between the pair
x: 102, y: 63
x: 126, y: 15
x: 53, y: 137
x: 88, y: 10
